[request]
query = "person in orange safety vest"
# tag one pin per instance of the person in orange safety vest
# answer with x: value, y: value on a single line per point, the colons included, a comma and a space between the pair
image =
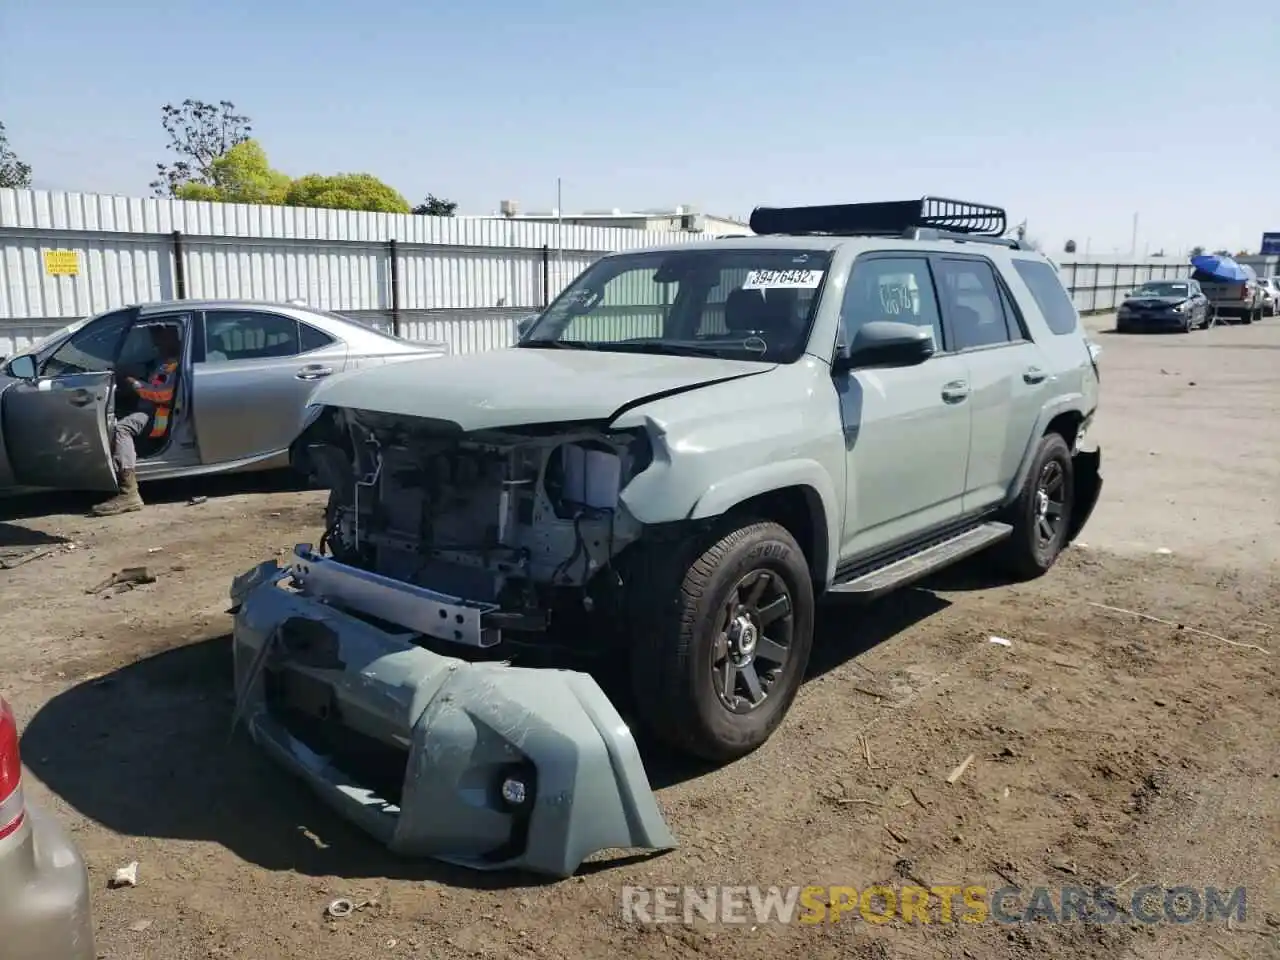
x: 154, y: 409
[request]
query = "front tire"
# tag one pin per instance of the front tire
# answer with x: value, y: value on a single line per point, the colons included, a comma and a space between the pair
x: 1041, y: 516
x: 724, y: 642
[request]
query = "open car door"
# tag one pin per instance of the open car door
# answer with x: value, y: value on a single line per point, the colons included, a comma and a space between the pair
x: 55, y: 431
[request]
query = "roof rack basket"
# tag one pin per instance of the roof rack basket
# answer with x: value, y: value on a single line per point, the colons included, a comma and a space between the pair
x: 887, y: 218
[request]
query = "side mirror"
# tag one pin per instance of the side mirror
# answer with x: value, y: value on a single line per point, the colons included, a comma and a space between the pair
x: 524, y: 325
x: 887, y: 343
x: 23, y: 367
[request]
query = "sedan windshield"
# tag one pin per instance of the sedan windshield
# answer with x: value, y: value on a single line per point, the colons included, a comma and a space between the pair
x: 748, y: 303
x: 1163, y: 290
x: 59, y: 334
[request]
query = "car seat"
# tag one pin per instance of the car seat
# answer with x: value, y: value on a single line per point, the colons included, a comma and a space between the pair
x: 981, y: 332
x: 232, y: 340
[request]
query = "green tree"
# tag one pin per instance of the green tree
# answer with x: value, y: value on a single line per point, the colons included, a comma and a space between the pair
x: 199, y: 133
x: 434, y: 206
x: 241, y: 175
x: 13, y: 172
x: 1197, y: 251
x: 345, y: 191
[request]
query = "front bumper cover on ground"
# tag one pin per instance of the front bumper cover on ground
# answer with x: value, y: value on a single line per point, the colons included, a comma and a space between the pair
x: 480, y: 764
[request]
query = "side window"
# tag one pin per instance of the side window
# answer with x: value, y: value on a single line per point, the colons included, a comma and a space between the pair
x: 1050, y: 296
x: 232, y: 335
x: 90, y: 350
x: 975, y: 303
x: 1012, y: 316
x: 890, y: 288
x: 139, y: 351
x: 309, y: 338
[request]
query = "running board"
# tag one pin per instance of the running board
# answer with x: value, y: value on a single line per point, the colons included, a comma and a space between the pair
x: 916, y: 565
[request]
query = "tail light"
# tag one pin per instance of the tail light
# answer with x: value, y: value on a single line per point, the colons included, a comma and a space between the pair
x: 12, y: 808
x: 1244, y: 291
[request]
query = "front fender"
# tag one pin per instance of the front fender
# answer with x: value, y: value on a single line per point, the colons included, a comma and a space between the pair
x: 809, y: 475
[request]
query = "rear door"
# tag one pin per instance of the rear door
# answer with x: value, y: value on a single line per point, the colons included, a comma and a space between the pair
x: 55, y: 426
x: 253, y: 372
x: 1008, y: 373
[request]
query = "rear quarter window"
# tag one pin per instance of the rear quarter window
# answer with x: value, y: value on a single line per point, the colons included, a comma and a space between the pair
x: 1050, y: 295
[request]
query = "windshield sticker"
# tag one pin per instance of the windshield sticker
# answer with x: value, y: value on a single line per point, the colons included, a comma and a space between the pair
x: 783, y: 280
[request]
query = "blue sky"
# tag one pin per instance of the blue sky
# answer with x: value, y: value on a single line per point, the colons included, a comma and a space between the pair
x: 1074, y: 116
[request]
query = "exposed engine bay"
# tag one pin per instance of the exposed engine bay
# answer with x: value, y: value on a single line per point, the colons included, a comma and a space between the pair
x: 495, y: 528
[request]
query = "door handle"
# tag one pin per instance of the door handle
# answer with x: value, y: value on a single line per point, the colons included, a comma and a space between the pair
x: 80, y: 397
x: 955, y: 392
x: 1034, y: 375
x: 314, y: 372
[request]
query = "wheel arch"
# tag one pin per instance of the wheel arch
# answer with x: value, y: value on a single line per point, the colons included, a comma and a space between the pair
x: 797, y: 494
x: 1063, y: 419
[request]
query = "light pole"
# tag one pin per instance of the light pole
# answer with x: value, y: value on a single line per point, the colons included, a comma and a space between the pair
x: 559, y: 234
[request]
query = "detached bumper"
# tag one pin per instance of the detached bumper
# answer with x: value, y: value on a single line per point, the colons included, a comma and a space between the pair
x: 483, y: 765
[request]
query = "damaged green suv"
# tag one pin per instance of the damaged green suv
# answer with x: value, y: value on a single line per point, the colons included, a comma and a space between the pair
x: 682, y: 454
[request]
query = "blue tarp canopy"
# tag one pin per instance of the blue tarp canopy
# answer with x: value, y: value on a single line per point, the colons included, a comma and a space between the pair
x: 1221, y: 268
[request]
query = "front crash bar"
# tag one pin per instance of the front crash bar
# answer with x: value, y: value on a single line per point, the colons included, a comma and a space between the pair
x: 466, y: 730
x: 415, y: 608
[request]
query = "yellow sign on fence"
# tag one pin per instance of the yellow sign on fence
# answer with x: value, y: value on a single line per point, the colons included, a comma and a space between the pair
x: 61, y: 263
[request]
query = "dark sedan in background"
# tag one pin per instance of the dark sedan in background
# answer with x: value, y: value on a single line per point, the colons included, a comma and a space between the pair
x: 1165, y: 305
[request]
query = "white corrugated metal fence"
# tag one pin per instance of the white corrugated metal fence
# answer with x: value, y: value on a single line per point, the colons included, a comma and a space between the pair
x: 464, y: 281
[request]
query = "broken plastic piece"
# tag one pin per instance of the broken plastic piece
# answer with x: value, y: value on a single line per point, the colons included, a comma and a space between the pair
x: 126, y: 876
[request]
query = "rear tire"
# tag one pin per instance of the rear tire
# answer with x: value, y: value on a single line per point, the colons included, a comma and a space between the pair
x: 1041, y: 516
x: 742, y: 609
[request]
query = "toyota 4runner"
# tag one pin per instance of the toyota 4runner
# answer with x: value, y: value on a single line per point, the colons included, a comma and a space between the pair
x: 683, y: 452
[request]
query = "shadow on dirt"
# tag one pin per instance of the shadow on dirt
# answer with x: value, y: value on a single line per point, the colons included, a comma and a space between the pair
x: 15, y: 539
x: 145, y: 751
x: 34, y: 505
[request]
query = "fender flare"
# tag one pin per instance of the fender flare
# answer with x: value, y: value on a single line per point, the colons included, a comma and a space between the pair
x: 810, y: 476
x: 1061, y: 405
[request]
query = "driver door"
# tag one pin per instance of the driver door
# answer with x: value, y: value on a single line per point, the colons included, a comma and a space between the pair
x: 55, y: 422
x: 906, y: 429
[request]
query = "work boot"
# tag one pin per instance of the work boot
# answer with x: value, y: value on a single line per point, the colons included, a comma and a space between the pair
x: 126, y: 501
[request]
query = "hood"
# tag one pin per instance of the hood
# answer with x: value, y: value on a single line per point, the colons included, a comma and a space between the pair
x: 1166, y: 301
x: 520, y: 385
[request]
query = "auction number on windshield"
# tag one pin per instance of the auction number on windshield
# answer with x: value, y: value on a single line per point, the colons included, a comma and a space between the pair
x: 783, y: 280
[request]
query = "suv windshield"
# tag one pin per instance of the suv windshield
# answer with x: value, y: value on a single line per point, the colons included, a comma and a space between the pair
x: 747, y: 303
x: 1168, y: 289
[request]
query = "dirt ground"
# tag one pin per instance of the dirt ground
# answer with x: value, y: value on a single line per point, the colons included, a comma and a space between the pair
x: 1107, y: 749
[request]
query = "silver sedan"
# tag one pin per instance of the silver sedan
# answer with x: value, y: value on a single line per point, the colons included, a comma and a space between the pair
x: 247, y: 372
